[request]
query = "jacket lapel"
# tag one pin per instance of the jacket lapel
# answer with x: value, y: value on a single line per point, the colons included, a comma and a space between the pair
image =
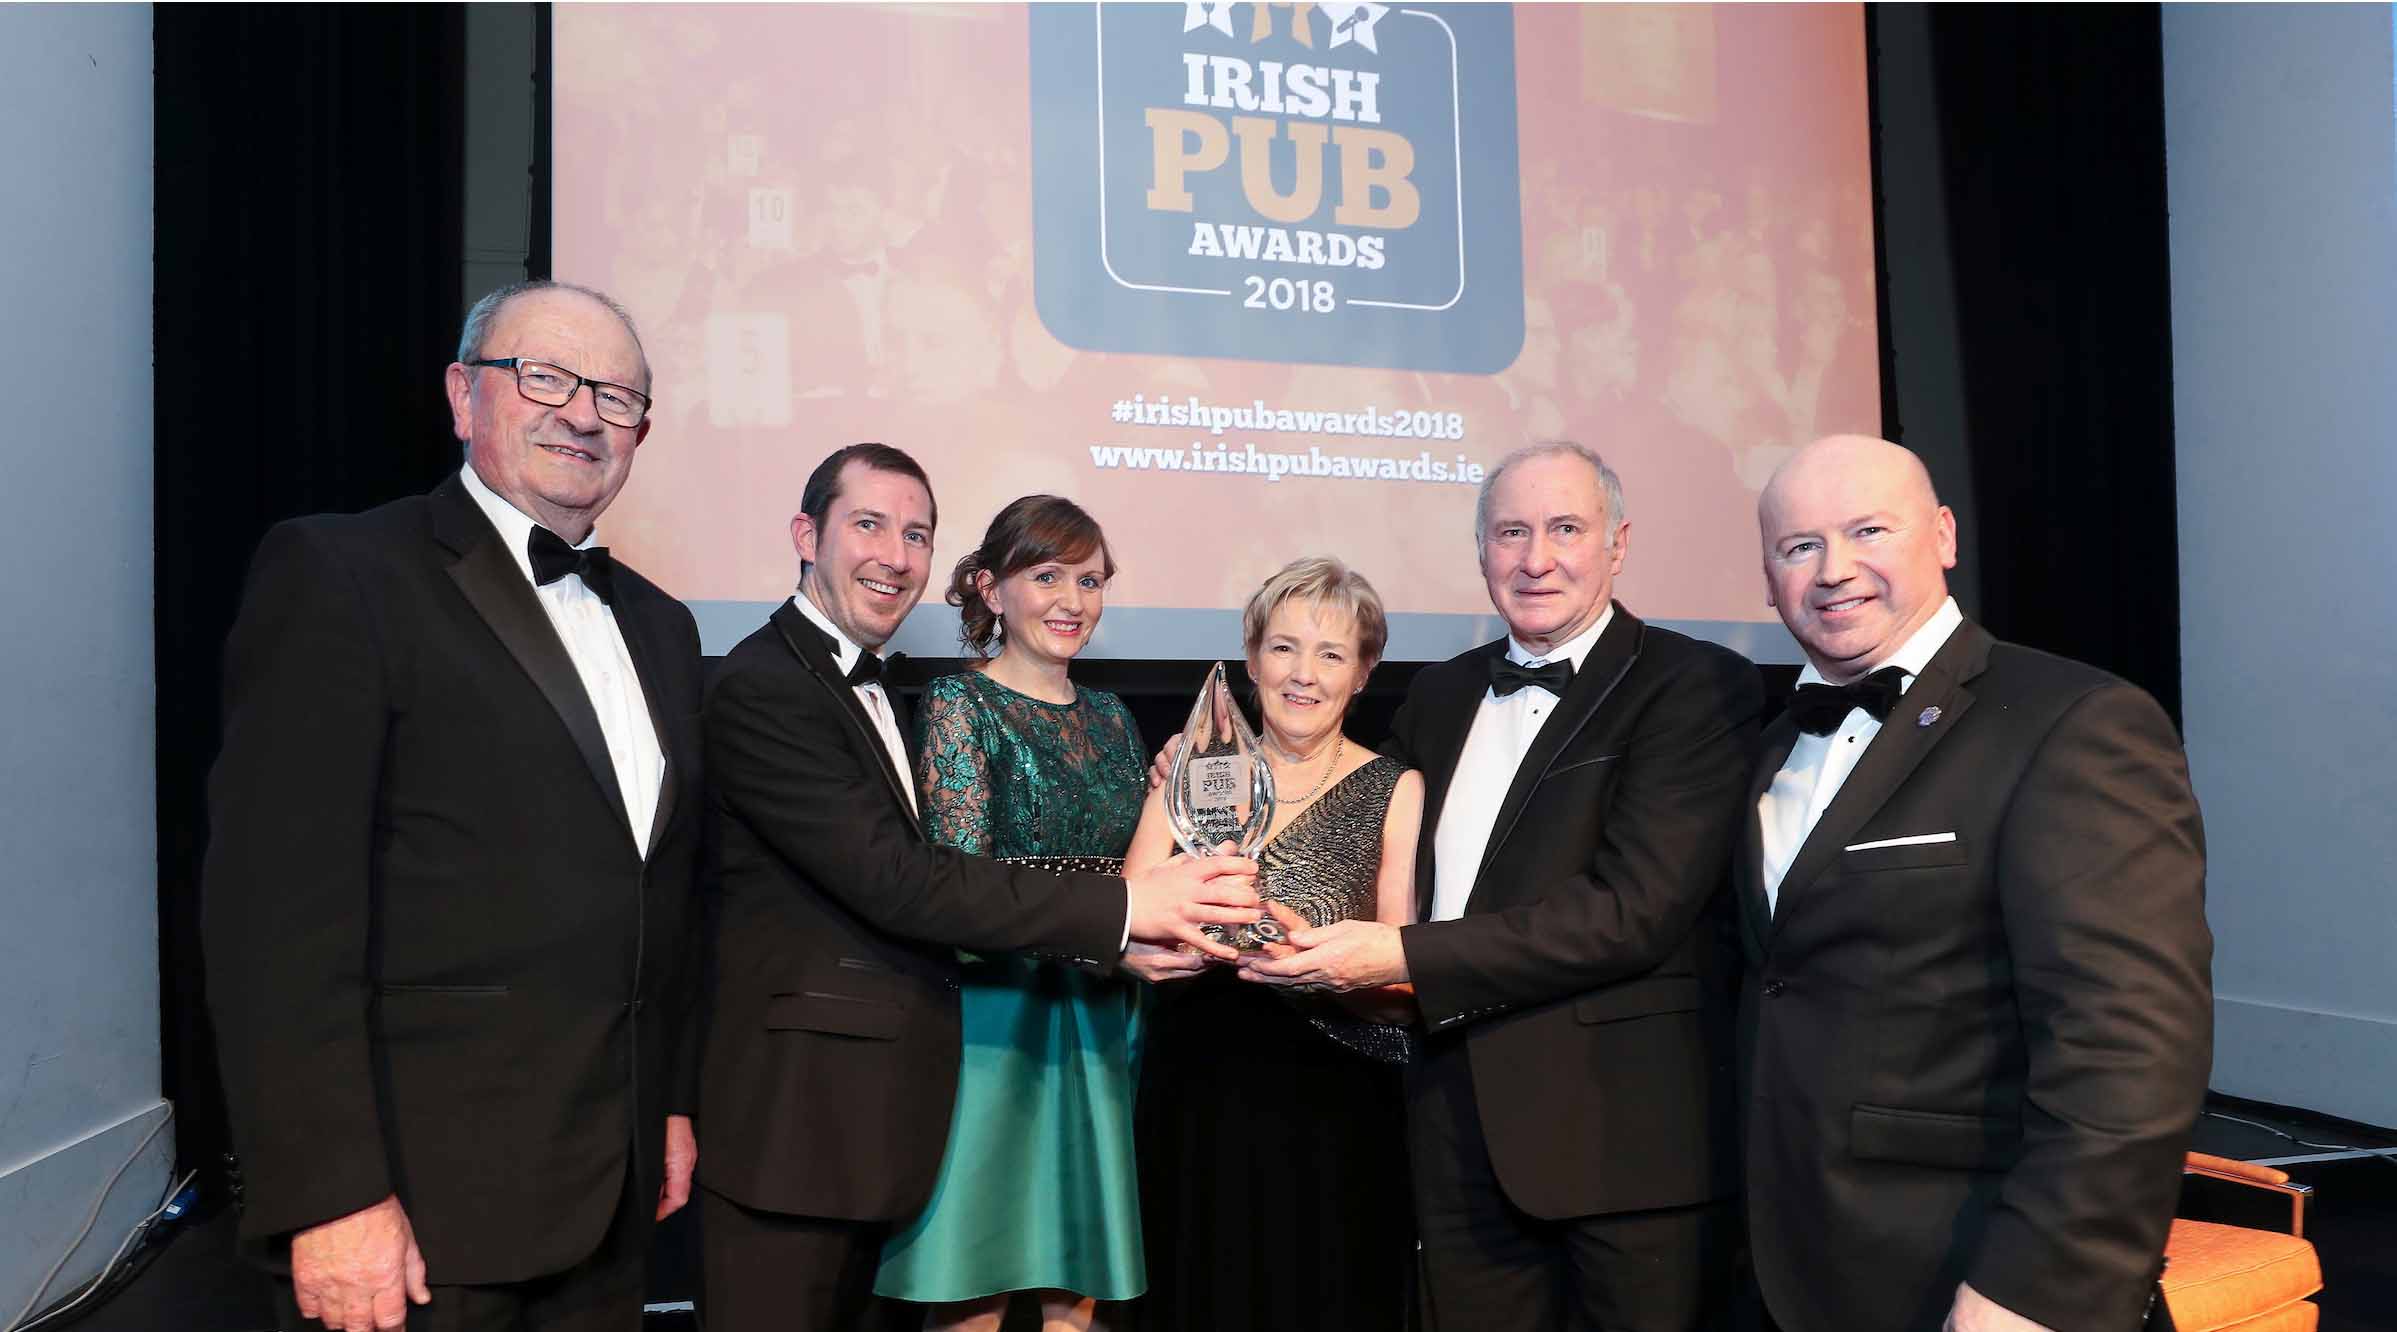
x: 1895, y: 752
x: 1747, y: 872
x: 1609, y: 660
x: 496, y: 587
x: 1449, y: 708
x: 806, y: 642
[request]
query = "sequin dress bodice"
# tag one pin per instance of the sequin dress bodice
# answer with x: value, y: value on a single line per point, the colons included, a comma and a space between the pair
x: 1326, y: 863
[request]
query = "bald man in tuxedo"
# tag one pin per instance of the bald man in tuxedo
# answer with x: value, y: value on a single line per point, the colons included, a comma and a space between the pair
x: 1978, y: 1014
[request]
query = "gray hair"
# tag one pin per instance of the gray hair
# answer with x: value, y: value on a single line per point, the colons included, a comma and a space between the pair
x: 1607, y: 481
x: 485, y: 313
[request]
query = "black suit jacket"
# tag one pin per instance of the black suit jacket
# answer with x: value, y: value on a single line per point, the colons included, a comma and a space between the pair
x: 1980, y: 1059
x: 438, y: 964
x: 1584, y: 975
x: 832, y: 1043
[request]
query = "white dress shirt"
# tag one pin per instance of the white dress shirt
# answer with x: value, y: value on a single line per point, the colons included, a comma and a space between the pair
x: 1819, y: 765
x: 587, y: 627
x: 1503, y: 729
x: 878, y: 704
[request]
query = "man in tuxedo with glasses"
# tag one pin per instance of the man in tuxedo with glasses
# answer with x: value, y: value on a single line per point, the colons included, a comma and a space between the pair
x: 448, y: 890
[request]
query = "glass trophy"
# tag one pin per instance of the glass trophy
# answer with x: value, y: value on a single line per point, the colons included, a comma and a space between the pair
x: 1221, y: 791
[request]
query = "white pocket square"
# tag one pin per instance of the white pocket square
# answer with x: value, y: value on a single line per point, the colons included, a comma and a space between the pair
x: 1924, y: 839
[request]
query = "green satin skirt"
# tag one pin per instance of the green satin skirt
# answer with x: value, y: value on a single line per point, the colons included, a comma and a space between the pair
x: 1038, y: 1189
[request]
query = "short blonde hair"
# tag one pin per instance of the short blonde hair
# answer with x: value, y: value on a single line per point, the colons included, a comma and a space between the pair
x: 1329, y: 584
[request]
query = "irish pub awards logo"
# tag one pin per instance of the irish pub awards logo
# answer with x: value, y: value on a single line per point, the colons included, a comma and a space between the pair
x: 1285, y: 182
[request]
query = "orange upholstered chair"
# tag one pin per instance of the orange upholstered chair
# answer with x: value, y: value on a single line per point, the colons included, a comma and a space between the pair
x: 2220, y: 1278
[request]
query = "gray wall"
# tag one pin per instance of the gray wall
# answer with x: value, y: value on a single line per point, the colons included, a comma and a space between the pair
x: 2284, y: 284
x: 79, y: 887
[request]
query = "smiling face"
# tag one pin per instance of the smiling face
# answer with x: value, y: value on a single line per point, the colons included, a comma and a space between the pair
x: 1545, y: 549
x: 866, y: 563
x: 1308, y: 666
x: 1049, y: 609
x: 1856, y: 551
x: 560, y: 466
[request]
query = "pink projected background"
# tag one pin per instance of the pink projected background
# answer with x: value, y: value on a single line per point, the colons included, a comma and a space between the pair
x: 821, y: 218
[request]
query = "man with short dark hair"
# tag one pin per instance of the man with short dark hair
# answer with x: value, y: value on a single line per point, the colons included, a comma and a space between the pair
x: 833, y: 1029
x: 1569, y: 1119
x: 453, y: 829
x: 1979, y: 1015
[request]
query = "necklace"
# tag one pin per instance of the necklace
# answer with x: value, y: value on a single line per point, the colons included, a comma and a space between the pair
x: 1337, y: 743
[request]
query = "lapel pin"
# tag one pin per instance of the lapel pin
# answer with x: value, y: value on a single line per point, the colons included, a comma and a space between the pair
x: 1929, y: 716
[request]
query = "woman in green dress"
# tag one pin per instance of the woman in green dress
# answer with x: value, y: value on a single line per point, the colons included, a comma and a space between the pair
x: 1037, y: 1191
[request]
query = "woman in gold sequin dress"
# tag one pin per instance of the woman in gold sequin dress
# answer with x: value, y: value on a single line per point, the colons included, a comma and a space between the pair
x: 1273, y: 1159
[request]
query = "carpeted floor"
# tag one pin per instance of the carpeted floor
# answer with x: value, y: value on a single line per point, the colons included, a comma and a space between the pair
x: 191, y: 1281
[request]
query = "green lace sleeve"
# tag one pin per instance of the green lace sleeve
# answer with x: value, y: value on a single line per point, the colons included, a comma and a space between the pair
x: 953, y: 780
x: 1133, y: 748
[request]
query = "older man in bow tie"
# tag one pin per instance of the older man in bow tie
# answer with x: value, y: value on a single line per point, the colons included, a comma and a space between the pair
x: 1979, y: 1017
x: 1570, y: 1116
x: 449, y: 884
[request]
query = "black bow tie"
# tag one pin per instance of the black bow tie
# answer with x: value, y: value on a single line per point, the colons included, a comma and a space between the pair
x: 1819, y: 709
x: 867, y: 666
x: 553, y: 559
x: 1508, y: 675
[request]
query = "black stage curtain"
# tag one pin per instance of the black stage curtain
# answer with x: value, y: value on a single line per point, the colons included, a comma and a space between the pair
x: 2051, y: 123
x: 310, y: 167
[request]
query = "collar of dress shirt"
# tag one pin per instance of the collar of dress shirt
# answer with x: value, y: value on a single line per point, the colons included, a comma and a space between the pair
x: 844, y: 652
x: 1914, y: 654
x: 515, y: 526
x: 1575, y: 650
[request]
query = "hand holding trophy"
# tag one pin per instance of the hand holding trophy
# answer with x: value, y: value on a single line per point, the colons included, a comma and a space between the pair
x: 1220, y: 792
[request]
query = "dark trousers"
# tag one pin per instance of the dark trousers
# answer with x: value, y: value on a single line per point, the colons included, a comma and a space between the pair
x: 602, y: 1293
x: 1489, y: 1265
x: 769, y: 1272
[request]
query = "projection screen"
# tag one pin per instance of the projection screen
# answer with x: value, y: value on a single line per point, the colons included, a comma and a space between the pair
x: 1248, y: 281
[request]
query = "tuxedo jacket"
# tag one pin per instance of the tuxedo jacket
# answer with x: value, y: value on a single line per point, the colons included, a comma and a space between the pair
x: 1586, y: 975
x: 832, y: 1031
x: 1978, y: 1055
x: 438, y: 963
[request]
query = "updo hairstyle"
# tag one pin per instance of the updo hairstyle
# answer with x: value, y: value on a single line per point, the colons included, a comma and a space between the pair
x: 1037, y: 529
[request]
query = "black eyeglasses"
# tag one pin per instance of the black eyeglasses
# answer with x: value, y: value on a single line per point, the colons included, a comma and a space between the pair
x: 555, y: 386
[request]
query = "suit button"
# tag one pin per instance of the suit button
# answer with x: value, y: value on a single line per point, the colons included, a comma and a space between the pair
x: 1773, y: 988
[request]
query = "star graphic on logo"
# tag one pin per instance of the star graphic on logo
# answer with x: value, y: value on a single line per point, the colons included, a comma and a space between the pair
x: 1216, y: 14
x: 1354, y: 22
